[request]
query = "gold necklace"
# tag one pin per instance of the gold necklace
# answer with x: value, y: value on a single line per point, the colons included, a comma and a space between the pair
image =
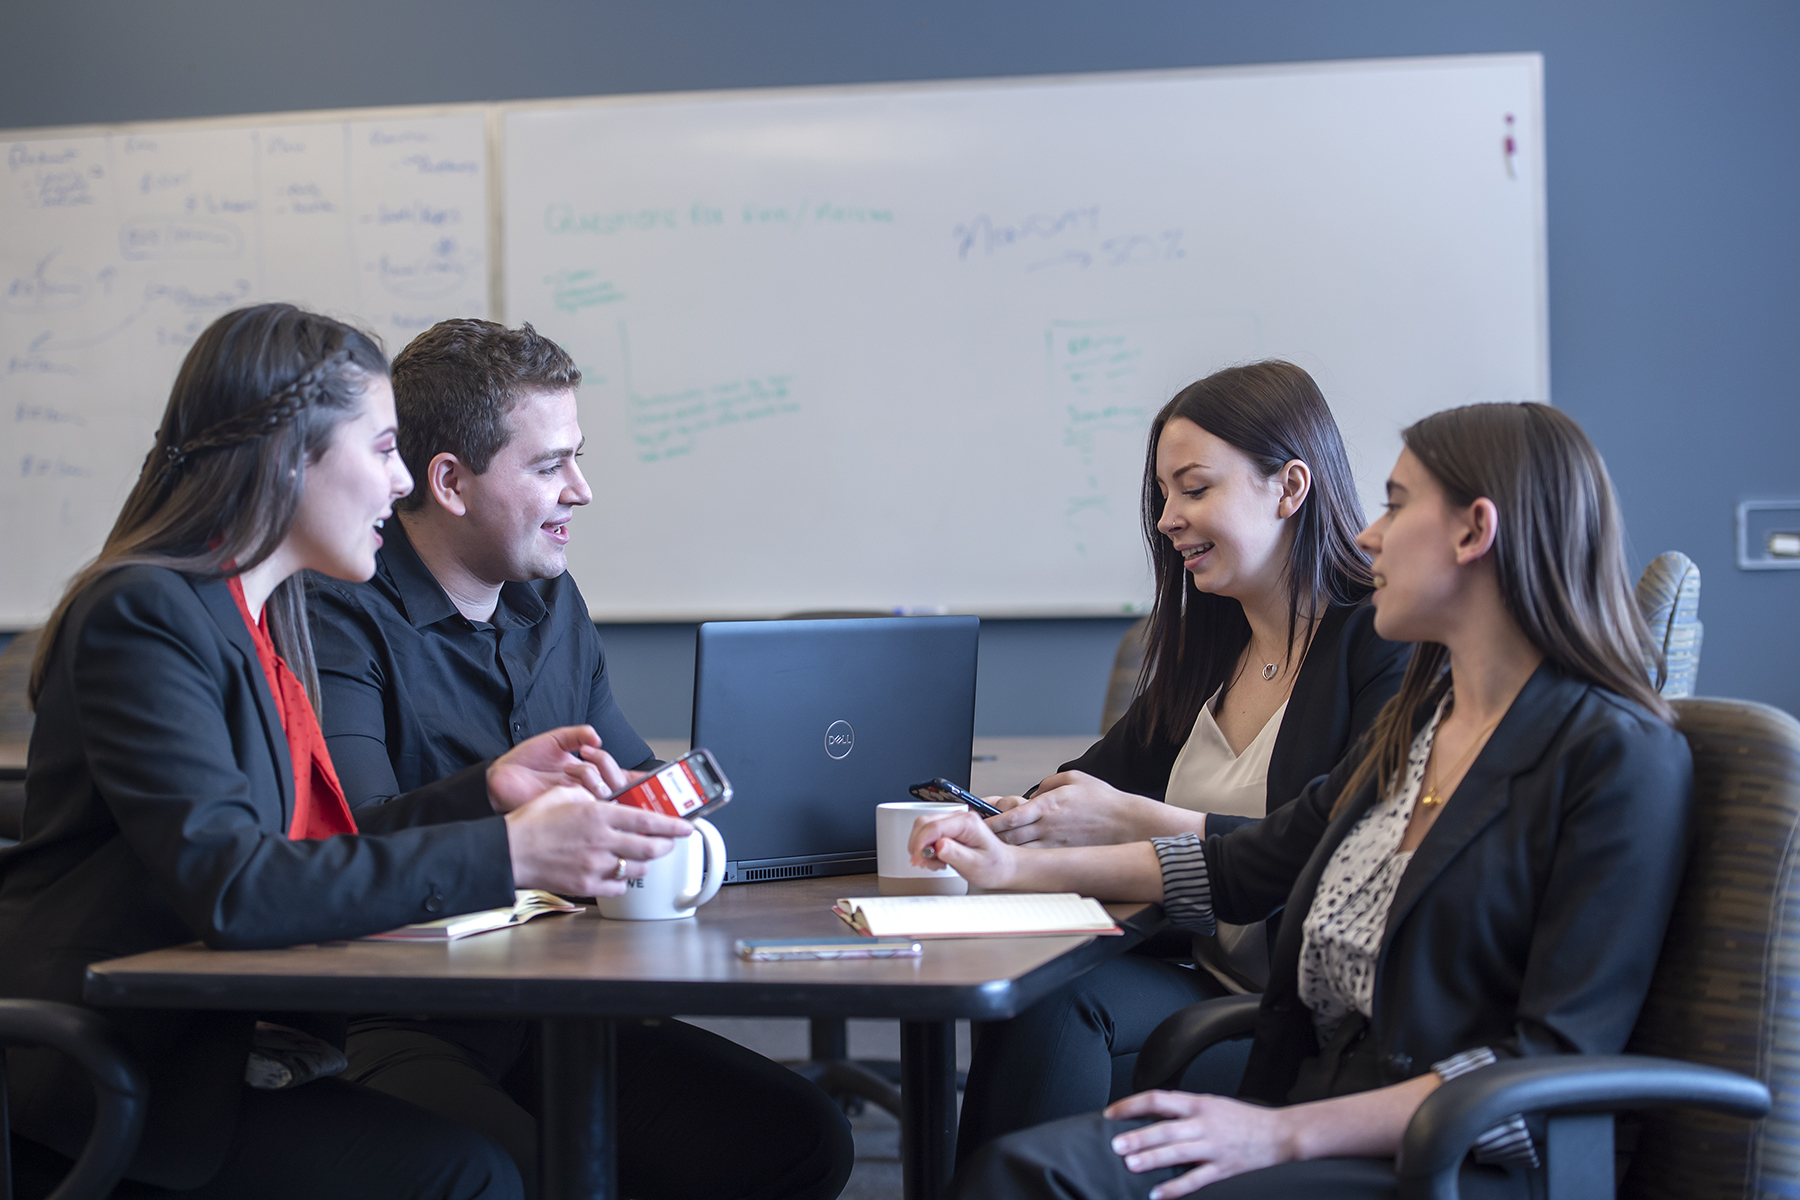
x: 1431, y: 799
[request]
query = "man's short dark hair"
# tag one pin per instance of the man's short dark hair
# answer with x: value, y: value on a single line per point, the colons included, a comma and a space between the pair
x: 454, y: 385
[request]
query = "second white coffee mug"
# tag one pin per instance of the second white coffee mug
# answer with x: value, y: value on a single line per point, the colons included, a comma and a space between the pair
x: 896, y: 876
x: 674, y: 885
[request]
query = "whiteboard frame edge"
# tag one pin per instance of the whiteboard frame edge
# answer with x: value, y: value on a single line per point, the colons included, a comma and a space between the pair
x: 1533, y: 58
x: 250, y: 120
x: 1540, y: 151
x: 1060, y: 612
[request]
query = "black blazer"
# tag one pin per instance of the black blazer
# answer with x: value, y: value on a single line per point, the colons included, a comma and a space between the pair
x: 158, y: 797
x: 1349, y: 673
x: 1530, y: 917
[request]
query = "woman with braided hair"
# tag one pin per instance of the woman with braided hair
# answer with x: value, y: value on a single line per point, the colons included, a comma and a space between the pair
x: 178, y: 787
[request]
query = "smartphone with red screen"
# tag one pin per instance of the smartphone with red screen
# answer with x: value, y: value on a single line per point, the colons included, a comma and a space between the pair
x: 690, y: 787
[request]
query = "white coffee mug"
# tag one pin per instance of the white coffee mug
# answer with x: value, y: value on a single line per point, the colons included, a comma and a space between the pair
x: 896, y: 876
x: 674, y: 885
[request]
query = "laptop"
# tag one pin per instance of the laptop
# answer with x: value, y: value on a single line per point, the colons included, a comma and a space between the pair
x: 817, y: 722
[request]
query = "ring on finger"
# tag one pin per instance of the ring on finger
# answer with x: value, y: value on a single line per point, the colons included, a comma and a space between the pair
x: 619, y: 871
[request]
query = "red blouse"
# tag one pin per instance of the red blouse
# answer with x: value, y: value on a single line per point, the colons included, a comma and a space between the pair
x: 320, y: 810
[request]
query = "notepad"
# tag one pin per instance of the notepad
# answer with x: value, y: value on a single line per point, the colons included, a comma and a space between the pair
x: 995, y: 915
x: 526, y: 905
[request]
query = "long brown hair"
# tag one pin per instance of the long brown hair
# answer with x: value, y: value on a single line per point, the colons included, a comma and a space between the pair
x: 1559, y: 556
x: 258, y: 398
x: 1274, y: 413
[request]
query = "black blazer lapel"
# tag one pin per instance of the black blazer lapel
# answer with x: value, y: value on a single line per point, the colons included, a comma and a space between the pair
x: 222, y: 607
x: 1517, y: 743
x: 1315, y: 716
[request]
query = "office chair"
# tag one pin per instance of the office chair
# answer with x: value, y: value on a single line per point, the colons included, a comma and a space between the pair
x: 1668, y: 594
x: 120, y: 1092
x: 1122, y: 684
x: 15, y: 726
x: 1718, y: 1034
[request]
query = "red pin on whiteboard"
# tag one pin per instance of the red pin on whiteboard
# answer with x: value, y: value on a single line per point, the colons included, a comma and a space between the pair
x: 1511, y: 149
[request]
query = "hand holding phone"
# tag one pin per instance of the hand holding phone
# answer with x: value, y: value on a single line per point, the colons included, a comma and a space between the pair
x: 942, y: 791
x: 689, y: 787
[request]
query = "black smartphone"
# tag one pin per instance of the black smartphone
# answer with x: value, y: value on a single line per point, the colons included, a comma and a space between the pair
x: 690, y: 787
x: 942, y: 791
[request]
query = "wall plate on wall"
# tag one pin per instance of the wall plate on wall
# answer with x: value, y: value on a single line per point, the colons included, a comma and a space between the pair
x: 1768, y: 535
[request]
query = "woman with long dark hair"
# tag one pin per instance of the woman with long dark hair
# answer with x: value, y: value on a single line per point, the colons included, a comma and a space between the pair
x: 1262, y: 669
x: 1490, y: 877
x: 178, y: 786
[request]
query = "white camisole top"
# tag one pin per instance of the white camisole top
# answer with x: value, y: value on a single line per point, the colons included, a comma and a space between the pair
x: 1208, y: 777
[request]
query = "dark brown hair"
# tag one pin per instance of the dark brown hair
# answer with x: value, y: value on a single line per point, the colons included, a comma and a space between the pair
x: 1559, y: 555
x: 454, y: 385
x: 1274, y: 413
x: 258, y: 399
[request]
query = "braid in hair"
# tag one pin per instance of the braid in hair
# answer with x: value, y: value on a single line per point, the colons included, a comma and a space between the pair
x: 259, y: 420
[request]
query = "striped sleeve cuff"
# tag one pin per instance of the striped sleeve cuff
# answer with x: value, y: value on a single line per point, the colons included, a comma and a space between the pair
x: 1187, y: 889
x: 1507, y: 1144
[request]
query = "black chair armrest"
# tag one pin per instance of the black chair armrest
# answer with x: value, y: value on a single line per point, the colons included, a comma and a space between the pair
x: 1178, y: 1041
x: 120, y: 1090
x: 1446, y: 1126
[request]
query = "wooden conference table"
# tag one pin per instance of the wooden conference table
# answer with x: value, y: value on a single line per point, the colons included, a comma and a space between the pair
x: 579, y: 973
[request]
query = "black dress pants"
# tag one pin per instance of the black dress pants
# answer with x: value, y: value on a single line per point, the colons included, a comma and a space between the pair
x: 1073, y: 1051
x: 699, y: 1115
x: 1073, y: 1160
x: 324, y: 1139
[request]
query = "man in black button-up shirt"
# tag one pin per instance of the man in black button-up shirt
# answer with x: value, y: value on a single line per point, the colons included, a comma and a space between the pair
x: 414, y: 690
x: 470, y: 638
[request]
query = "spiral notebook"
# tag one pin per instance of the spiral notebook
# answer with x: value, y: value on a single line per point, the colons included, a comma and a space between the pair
x: 527, y: 903
x: 999, y: 914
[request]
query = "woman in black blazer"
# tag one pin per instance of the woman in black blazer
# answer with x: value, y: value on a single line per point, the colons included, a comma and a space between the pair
x: 1263, y: 667
x: 177, y: 787
x: 1491, y: 878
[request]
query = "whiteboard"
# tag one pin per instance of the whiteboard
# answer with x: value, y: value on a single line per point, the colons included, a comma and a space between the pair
x: 122, y: 245
x: 899, y: 346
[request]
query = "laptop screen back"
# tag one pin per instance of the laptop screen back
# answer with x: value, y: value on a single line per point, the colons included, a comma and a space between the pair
x: 817, y: 722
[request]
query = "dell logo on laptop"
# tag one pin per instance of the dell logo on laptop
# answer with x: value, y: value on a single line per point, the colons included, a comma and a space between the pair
x: 840, y: 739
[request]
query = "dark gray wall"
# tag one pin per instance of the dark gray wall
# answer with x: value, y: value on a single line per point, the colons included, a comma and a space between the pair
x: 1673, y: 172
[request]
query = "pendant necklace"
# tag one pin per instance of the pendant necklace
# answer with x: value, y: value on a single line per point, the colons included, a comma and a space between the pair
x: 1269, y: 671
x: 1431, y: 799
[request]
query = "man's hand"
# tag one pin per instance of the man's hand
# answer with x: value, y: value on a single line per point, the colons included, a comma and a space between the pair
x: 1224, y: 1137
x: 565, y: 842
x: 567, y: 756
x: 1073, y: 808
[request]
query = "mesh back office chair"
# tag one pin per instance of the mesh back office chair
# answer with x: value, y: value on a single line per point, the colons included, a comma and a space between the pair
x: 1668, y: 594
x: 1122, y: 684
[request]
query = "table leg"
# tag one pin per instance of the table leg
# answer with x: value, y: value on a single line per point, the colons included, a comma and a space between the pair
x: 928, y: 1104
x: 576, y: 1142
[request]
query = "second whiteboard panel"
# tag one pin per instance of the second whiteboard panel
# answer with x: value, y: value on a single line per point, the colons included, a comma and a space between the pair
x: 879, y: 347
